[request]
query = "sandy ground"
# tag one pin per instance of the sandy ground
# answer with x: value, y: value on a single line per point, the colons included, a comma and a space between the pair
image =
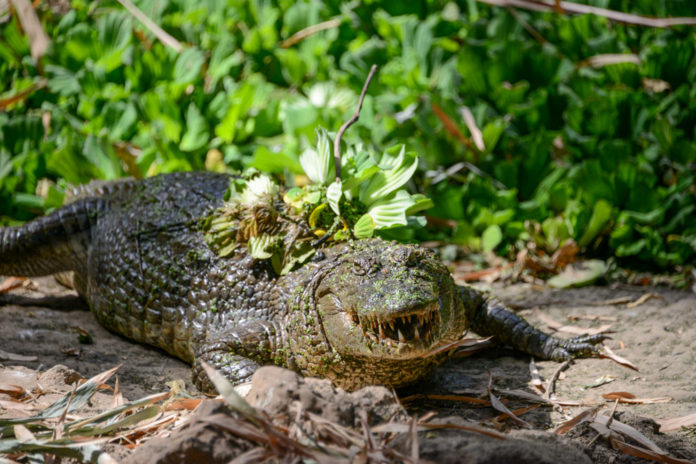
x: 658, y: 336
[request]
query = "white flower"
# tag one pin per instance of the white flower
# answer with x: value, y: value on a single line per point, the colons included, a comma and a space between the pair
x: 259, y: 190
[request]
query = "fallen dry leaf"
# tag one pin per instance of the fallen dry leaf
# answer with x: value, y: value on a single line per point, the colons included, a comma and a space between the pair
x: 517, y: 412
x: 643, y: 299
x: 566, y: 254
x: 6, y: 356
x: 626, y: 430
x: 670, y: 425
x: 584, y: 416
x: 591, y: 317
x: 613, y: 301
x: 188, y: 404
x: 11, y: 282
x: 633, y: 400
x: 608, y: 354
x: 23, y: 434
x: 639, y: 452
x: 603, y: 380
x: 497, y: 404
x: 12, y: 390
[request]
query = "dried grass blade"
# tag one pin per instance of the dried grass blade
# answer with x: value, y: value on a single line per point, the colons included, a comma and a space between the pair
x: 475, y: 132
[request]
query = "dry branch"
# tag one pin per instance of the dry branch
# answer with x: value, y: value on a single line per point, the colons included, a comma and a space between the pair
x: 576, y: 8
x: 350, y: 122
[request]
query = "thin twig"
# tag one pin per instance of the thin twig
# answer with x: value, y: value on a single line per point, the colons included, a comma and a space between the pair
x: 350, y: 122
x: 551, y: 386
x: 577, y: 8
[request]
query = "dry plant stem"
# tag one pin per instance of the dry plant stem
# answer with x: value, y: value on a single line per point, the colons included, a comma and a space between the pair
x: 38, y: 39
x: 160, y: 33
x: 350, y: 122
x: 577, y: 8
x: 308, y: 31
x: 551, y: 387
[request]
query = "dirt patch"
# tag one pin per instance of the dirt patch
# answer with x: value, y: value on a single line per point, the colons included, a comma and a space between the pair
x: 658, y: 336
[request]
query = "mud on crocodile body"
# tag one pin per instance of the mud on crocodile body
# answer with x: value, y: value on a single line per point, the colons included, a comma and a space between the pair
x: 362, y: 312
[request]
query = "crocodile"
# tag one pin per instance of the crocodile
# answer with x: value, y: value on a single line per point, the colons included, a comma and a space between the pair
x: 360, y: 312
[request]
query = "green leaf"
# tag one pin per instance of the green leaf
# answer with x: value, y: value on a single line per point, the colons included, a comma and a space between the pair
x: 421, y: 203
x: 333, y: 196
x: 364, y: 227
x: 601, y: 213
x: 261, y: 247
x: 398, y: 169
x: 318, y: 164
x: 188, y: 65
x: 491, y: 237
x: 300, y: 253
x: 579, y: 274
x: 391, y: 212
x: 196, y: 134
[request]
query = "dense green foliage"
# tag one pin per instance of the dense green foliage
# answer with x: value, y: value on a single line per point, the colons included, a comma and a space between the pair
x: 602, y: 153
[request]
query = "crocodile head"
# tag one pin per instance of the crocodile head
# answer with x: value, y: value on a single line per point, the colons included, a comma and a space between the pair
x: 383, y: 308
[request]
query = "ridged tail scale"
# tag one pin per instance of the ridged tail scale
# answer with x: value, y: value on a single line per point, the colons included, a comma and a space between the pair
x: 54, y: 243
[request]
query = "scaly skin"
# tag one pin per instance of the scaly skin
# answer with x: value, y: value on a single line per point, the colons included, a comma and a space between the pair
x: 360, y: 313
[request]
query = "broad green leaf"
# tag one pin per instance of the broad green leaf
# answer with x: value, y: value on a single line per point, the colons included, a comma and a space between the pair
x: 391, y: 212
x: 196, y: 132
x: 333, y: 196
x: 601, y: 213
x: 579, y: 274
x: 318, y: 163
x: 261, y: 247
x: 364, y: 227
x: 421, y: 203
x: 188, y: 65
x: 491, y: 237
x: 398, y: 169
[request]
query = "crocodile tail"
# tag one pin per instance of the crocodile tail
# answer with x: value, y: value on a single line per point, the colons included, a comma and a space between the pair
x: 53, y: 243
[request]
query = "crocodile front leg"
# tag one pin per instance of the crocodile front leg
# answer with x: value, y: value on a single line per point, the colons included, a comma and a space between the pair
x: 488, y: 316
x: 236, y: 352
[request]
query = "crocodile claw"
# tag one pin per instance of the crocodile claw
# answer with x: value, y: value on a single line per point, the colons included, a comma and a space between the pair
x: 582, y: 346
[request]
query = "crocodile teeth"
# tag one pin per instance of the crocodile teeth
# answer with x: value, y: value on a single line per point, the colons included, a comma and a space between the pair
x: 381, y: 332
x: 401, y: 337
x: 416, y: 334
x: 391, y: 325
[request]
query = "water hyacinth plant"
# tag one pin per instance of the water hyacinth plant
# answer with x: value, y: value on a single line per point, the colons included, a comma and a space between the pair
x: 287, y: 229
x: 369, y: 196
